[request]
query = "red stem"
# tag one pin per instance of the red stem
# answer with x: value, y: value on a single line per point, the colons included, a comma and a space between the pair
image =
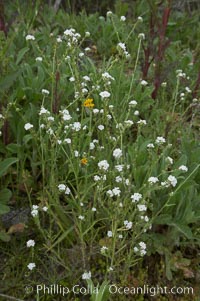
x: 2, y: 19
x: 163, y: 44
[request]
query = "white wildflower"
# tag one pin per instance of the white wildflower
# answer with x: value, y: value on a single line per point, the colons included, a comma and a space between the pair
x: 160, y: 140
x: 132, y: 103
x: 45, y: 92
x: 170, y: 160
x: 86, y: 276
x: 142, y: 207
x: 153, y: 180
x: 86, y: 78
x: 142, y: 245
x: 72, y: 79
x: 183, y: 168
x: 107, y: 76
x: 123, y: 18
x: 117, y: 153
x: 34, y: 212
x: 87, y: 49
x: 76, y: 126
x: 136, y: 113
x: 141, y: 36
x: 30, y: 243
x: 68, y: 140
x: 144, y: 83
x: 28, y: 126
x: 61, y: 187
x: 101, y: 127
x: 39, y: 59
x: 118, y: 179
x: 104, y: 94
x: 150, y: 145
x: 95, y: 111
x: 128, y: 122
x: 103, y: 249
x: 136, y: 197
x: 59, y: 40
x: 31, y: 266
x: 50, y: 118
x: 122, y: 46
x: 116, y: 191
x: 35, y: 207
x: 103, y: 165
x: 43, y: 111
x: 110, y: 193
x: 109, y: 234
x: 81, y: 217
x: 119, y: 167
x: 127, y: 182
x: 76, y: 153
x: 142, y: 122
x: 97, y: 178
x: 109, y: 13
x: 172, y: 180
x: 128, y: 225
x: 30, y: 37
x: 67, y: 191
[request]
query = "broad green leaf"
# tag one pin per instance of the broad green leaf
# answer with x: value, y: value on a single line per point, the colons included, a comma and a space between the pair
x: 21, y: 54
x: 4, y: 209
x: 103, y: 294
x: 5, y: 164
x: 4, y: 237
x: 13, y: 148
x: 27, y: 138
x: 8, y: 80
x: 5, y: 195
x: 183, y: 229
x: 163, y: 219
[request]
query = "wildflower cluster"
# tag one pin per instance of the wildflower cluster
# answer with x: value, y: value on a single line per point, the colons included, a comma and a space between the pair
x: 102, y: 166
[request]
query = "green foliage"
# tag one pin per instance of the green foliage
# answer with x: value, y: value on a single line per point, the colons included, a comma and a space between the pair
x: 5, y: 193
x: 99, y: 293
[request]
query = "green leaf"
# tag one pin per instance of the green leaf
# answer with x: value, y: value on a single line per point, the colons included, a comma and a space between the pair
x: 163, y: 219
x: 13, y: 148
x: 27, y: 138
x: 183, y: 229
x: 21, y: 54
x: 99, y: 293
x: 168, y: 266
x: 4, y: 237
x: 8, y: 80
x: 4, y: 209
x: 5, y: 195
x: 103, y: 294
x: 5, y: 164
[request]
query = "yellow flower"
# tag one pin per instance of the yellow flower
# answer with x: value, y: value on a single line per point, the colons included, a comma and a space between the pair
x: 88, y: 103
x: 84, y: 161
